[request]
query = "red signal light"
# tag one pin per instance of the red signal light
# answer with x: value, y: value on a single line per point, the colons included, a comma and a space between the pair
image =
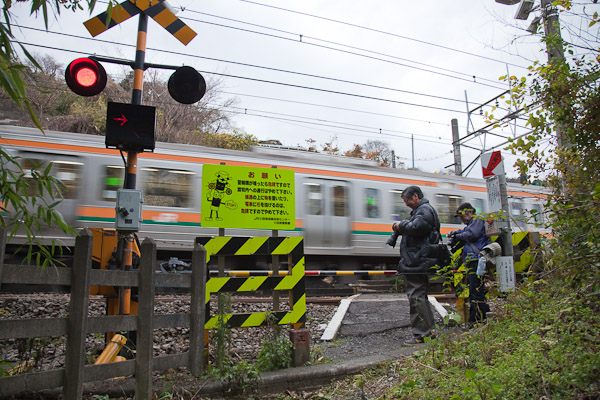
x: 86, y: 77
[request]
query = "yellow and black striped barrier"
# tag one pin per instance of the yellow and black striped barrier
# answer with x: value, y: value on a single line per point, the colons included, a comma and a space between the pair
x: 292, y: 247
x: 524, y: 244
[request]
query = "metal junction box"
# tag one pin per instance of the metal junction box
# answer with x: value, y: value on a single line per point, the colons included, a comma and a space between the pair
x: 129, y: 210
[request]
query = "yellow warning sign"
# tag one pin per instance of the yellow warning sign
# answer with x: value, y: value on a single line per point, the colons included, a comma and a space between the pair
x: 248, y: 197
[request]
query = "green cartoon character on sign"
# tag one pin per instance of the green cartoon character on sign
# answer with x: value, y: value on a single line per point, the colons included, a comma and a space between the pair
x: 217, y: 190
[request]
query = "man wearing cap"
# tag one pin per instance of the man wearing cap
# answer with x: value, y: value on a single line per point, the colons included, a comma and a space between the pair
x: 475, y: 239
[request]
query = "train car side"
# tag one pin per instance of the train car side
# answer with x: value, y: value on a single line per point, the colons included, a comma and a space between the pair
x: 344, y: 207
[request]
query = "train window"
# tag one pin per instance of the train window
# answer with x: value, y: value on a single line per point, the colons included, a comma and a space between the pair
x: 446, y: 208
x: 168, y: 187
x: 113, y: 180
x: 400, y: 210
x: 478, y: 204
x: 29, y: 165
x: 314, y: 199
x: 68, y: 172
x: 340, y: 201
x: 372, y: 203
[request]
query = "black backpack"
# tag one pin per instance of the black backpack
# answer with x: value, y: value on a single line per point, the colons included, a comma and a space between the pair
x: 439, y: 250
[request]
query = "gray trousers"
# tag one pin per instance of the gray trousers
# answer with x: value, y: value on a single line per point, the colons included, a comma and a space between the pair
x: 421, y: 317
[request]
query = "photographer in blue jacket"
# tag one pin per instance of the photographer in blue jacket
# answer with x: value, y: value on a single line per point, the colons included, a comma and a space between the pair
x: 474, y: 238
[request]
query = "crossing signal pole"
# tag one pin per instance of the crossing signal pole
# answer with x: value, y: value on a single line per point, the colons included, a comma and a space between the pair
x: 131, y: 127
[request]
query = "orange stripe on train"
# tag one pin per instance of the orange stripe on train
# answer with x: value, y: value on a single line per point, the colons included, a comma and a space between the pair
x: 200, y: 160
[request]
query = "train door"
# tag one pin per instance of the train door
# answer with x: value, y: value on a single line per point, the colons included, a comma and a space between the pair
x: 327, y: 213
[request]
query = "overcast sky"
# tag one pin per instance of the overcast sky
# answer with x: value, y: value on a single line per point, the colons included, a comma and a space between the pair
x: 347, y: 70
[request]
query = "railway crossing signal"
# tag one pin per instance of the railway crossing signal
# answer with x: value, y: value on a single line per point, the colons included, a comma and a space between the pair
x: 85, y: 76
x: 131, y: 127
x: 186, y: 85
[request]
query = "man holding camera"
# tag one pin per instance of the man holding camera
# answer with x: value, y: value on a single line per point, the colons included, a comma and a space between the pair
x: 475, y: 239
x: 418, y: 232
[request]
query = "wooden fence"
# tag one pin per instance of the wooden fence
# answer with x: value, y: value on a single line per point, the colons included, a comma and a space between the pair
x: 77, y: 325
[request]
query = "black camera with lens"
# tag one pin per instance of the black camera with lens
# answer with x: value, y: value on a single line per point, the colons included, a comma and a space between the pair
x: 455, y: 245
x: 394, y: 238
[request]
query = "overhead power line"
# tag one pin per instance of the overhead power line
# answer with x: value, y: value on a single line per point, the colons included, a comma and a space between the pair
x: 473, y: 80
x: 302, y: 38
x: 275, y: 82
x: 335, y: 108
x: 383, y: 32
x: 253, y: 66
x: 324, y: 122
x: 301, y: 120
x: 370, y: 133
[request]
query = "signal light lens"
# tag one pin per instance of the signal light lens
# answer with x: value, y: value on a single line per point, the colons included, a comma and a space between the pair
x: 86, y: 77
x: 186, y: 85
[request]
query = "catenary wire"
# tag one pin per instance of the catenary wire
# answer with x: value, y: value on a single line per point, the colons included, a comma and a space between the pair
x: 382, y: 32
x: 278, y: 83
x: 303, y: 37
x: 290, y: 118
x: 474, y: 80
x: 253, y: 66
x: 335, y: 108
x: 320, y: 121
x: 381, y: 131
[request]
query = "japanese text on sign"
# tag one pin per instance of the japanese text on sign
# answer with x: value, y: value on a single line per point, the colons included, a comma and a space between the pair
x: 247, y: 197
x: 493, y: 192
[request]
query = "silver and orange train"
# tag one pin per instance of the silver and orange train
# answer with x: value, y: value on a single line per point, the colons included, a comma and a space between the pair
x: 344, y: 206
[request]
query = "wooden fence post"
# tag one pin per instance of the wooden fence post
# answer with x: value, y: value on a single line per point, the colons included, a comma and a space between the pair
x: 77, y: 323
x: 197, y: 311
x: 145, y: 316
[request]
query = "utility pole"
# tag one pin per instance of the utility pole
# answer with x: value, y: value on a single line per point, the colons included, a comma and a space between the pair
x: 456, y: 147
x: 555, y: 51
x: 552, y: 32
x: 556, y: 55
x: 412, y: 141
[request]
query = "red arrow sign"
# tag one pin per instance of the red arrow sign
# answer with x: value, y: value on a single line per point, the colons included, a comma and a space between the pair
x: 122, y: 119
x: 495, y: 160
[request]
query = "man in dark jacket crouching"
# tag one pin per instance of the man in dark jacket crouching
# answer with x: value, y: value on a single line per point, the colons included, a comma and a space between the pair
x: 416, y: 259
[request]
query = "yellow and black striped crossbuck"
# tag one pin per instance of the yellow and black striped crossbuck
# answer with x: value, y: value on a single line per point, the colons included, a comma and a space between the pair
x: 156, y: 9
x: 292, y: 247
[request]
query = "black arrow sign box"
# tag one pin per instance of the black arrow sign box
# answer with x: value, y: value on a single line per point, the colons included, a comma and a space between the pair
x: 130, y: 127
